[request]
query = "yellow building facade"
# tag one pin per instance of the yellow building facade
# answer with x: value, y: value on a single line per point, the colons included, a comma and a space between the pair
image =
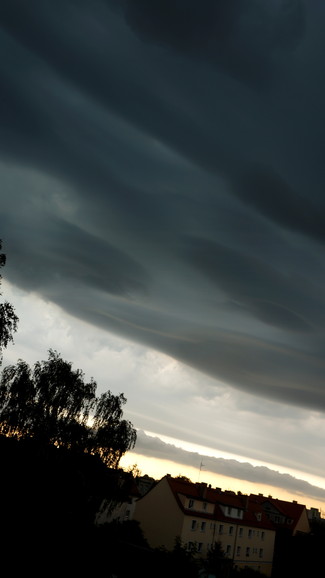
x: 200, y: 516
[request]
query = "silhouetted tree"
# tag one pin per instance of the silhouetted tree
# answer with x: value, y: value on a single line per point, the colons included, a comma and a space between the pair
x: 217, y: 562
x: 48, y: 503
x: 180, y: 561
x: 53, y: 404
x: 183, y: 478
x: 8, y: 318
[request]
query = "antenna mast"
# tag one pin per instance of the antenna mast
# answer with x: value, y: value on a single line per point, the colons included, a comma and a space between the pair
x: 201, y: 466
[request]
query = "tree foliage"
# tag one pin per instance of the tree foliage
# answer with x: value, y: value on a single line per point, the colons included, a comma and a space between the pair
x: 53, y: 404
x: 217, y: 562
x: 8, y: 318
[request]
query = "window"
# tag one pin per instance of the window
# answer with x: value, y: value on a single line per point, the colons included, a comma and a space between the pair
x: 262, y: 535
x: 193, y: 525
x: 229, y: 510
x: 203, y: 525
x: 238, y: 550
x: 221, y: 529
x: 248, y: 551
x: 191, y: 503
x: 228, y: 550
x: 231, y: 530
x: 261, y: 553
x: 204, y: 505
x: 250, y: 533
x: 240, y: 532
x: 199, y: 546
x: 190, y: 546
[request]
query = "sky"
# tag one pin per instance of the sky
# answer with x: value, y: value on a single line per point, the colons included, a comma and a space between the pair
x: 162, y: 213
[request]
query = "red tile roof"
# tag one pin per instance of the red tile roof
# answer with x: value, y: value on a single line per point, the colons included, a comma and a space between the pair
x: 253, y: 514
x: 290, y: 510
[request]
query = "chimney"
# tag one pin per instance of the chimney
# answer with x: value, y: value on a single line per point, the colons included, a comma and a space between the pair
x: 202, y: 488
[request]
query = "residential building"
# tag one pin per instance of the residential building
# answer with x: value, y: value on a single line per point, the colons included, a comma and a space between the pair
x: 288, y: 517
x: 121, y: 506
x: 201, y: 516
x: 291, y: 522
x: 144, y: 483
x: 314, y: 514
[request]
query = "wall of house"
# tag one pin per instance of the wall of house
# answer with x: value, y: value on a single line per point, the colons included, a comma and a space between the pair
x: 303, y: 524
x: 244, y: 545
x: 159, y: 516
x: 120, y: 512
x: 198, y: 532
x: 253, y: 547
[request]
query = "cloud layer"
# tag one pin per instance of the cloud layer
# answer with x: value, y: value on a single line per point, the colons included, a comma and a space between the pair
x: 162, y: 178
x: 244, y: 471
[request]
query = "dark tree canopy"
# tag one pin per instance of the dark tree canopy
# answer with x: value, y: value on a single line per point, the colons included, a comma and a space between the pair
x: 8, y: 318
x: 52, y: 404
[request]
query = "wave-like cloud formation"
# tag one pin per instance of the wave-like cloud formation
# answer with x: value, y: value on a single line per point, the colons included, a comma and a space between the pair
x: 155, y: 447
x: 162, y: 177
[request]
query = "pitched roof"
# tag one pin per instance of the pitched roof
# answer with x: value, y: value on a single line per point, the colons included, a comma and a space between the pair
x: 289, y: 510
x: 252, y: 513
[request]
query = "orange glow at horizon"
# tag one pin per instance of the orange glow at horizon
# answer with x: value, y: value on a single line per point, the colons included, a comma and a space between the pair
x: 157, y: 468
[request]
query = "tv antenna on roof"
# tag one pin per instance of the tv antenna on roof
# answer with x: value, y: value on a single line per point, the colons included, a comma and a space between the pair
x: 201, y: 466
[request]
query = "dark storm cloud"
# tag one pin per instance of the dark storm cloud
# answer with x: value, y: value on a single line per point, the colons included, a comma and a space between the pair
x: 78, y: 256
x: 251, y: 283
x: 152, y: 446
x: 277, y: 200
x: 241, y: 38
x: 162, y: 177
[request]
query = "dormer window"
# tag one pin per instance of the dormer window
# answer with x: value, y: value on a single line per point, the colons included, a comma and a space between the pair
x: 191, y: 503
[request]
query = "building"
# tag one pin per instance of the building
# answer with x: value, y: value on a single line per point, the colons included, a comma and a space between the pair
x: 292, y: 526
x: 314, y: 514
x: 120, y: 507
x: 200, y: 516
x: 288, y: 517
